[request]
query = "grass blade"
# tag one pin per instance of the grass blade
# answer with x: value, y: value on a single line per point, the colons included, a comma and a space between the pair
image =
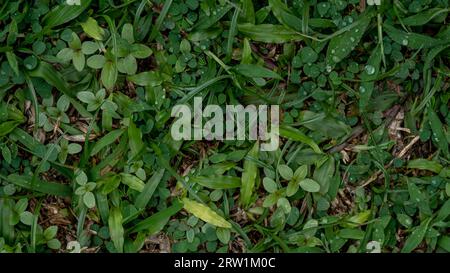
x: 25, y: 181
x: 157, y: 221
x: 217, y: 182
x: 249, y: 177
x: 116, y: 229
x: 144, y: 197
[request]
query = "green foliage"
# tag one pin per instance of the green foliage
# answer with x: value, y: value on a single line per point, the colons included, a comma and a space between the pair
x: 86, y: 94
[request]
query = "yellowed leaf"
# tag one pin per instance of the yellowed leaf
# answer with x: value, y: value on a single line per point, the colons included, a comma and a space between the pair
x: 205, y: 213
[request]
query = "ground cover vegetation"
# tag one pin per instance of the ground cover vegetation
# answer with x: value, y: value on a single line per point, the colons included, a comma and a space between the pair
x: 88, y: 164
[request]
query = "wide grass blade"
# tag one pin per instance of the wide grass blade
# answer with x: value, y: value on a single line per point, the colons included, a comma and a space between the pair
x: 248, y: 180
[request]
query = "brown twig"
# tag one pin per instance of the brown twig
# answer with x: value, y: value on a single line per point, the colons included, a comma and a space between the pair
x: 358, y: 130
x: 379, y: 174
x: 362, y: 5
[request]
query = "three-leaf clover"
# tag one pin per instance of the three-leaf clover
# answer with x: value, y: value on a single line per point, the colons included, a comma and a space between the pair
x: 85, y: 189
x: 128, y: 51
x: 94, y: 101
x: 73, y: 53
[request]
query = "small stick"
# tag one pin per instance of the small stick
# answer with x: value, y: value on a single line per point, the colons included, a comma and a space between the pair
x: 362, y: 5
x: 357, y: 131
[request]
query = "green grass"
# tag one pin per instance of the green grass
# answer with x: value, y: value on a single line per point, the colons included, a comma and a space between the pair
x: 88, y: 162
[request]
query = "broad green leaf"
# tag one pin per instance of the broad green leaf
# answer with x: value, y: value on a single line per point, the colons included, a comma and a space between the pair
x: 328, y: 126
x: 249, y: 176
x: 109, y: 183
x: 140, y: 51
x: 445, y: 172
x: 248, y: 12
x: 127, y: 65
x: 405, y: 220
x: 207, y: 21
x: 52, y: 188
x: 135, y: 139
x: 8, y: 126
x: 321, y: 23
x: 294, y: 184
x: 29, y: 142
x: 106, y: 140
x: 26, y: 218
x: 157, y: 221
x: 443, y: 212
x: 358, y: 219
x: 324, y: 174
x: 424, y: 17
x: 285, y: 16
x: 204, y: 34
x: 308, y: 55
x: 284, y: 204
x: 132, y: 181
x: 12, y: 34
x: 269, y: 185
x: 89, y: 199
x: 92, y: 29
x: 145, y: 196
x: 150, y: 78
x: 62, y: 14
x: 268, y: 33
x: 205, y: 213
x: 411, y: 40
x: 12, y: 60
x: 296, y: 135
x: 6, y: 152
x: 309, y: 185
x: 438, y: 136
x: 416, y: 236
x: 127, y: 33
x: 96, y: 61
x: 369, y: 74
x: 246, y: 52
x: 65, y: 55
x: 342, y: 45
x: 54, y: 244
x: 6, y: 213
x: 431, y: 55
x: 52, y: 77
x: 74, y: 148
x: 217, y: 182
x: 271, y: 199
x: 86, y: 97
x: 285, y: 171
x: 89, y: 47
x: 224, y: 235
x: 185, y: 46
x: 78, y: 60
x: 75, y: 43
x: 109, y: 74
x: 424, y: 164
x: 444, y: 242
x: 217, y: 169
x: 232, y: 33
x: 116, y: 229
x: 353, y: 233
